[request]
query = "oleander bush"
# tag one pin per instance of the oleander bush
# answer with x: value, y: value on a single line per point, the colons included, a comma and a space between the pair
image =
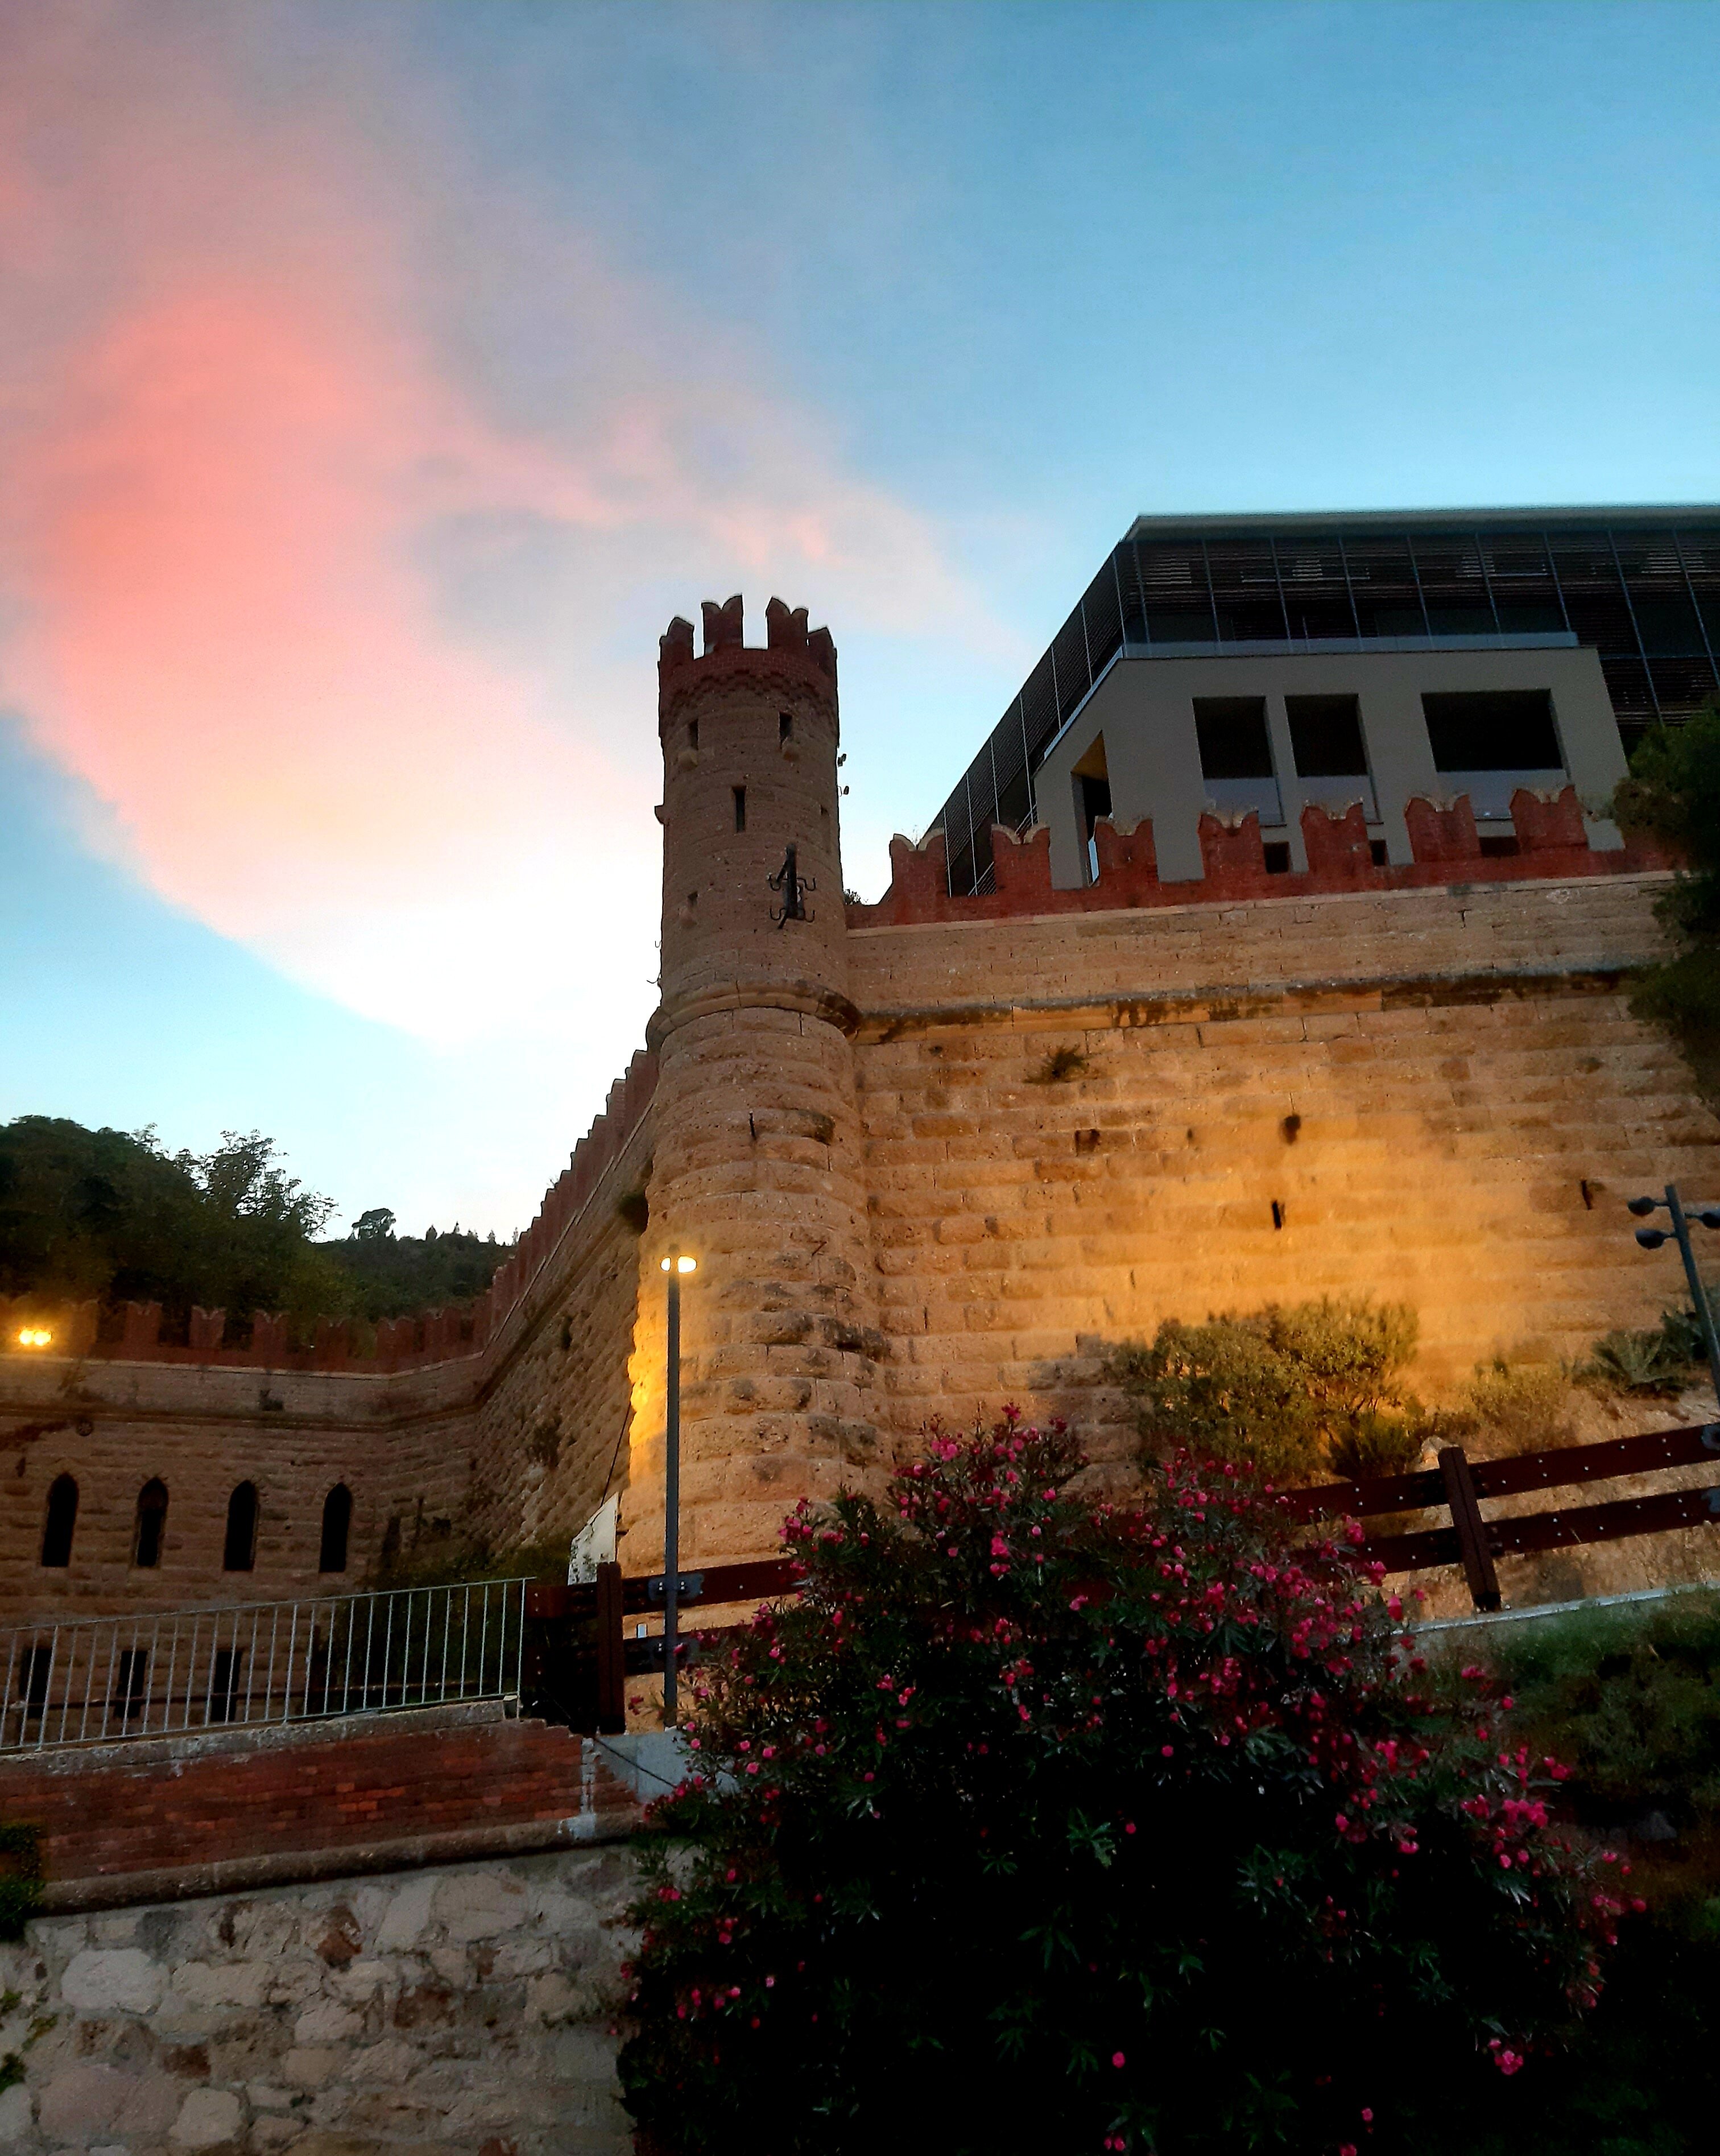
x: 1036, y: 1825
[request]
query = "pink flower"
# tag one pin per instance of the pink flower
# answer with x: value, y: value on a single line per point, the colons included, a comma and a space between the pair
x: 1117, y: 2059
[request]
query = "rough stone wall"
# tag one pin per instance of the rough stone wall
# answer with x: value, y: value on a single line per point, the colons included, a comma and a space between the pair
x: 1451, y: 1108
x: 757, y: 1168
x: 550, y: 1430
x: 398, y: 1443
x: 458, y: 2011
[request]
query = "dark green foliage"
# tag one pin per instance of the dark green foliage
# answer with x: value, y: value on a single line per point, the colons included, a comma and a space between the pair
x: 109, y: 1216
x: 1673, y: 794
x: 1301, y: 1391
x: 20, y: 1880
x: 1631, y: 1697
x: 101, y: 1214
x: 1651, y: 1364
x: 1035, y: 1827
x: 390, y: 1276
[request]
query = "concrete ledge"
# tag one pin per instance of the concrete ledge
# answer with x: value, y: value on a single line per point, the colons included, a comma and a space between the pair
x: 179, y: 1747
x: 1217, y: 1005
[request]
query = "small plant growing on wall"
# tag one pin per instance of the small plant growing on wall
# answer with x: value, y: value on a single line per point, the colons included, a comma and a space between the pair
x: 1060, y: 1065
x: 1078, y: 1828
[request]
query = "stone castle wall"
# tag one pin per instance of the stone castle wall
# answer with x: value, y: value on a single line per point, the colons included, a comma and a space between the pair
x: 937, y: 1153
x: 1449, y: 1108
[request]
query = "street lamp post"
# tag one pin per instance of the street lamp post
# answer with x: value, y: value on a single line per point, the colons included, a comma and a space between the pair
x: 674, y: 1264
x: 1652, y: 1239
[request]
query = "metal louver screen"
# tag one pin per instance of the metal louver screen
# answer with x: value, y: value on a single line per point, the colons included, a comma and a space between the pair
x: 1647, y: 600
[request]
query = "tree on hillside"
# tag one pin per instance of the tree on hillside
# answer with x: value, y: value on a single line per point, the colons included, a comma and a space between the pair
x: 1069, y: 1828
x: 111, y: 1215
x: 1673, y: 793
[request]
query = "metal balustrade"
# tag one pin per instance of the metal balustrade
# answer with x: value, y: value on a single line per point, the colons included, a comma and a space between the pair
x: 99, y: 1680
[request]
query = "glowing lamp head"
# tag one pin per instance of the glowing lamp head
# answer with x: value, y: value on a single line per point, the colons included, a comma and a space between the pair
x: 677, y: 1264
x: 35, y: 1336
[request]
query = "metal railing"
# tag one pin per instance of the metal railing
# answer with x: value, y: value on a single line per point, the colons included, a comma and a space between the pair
x: 97, y: 1680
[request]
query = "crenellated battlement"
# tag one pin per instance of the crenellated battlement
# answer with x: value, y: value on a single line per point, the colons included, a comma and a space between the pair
x: 1550, y: 840
x: 794, y: 657
x: 437, y: 1335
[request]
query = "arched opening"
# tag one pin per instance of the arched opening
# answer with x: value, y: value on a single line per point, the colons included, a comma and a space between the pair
x: 62, y: 1518
x: 336, y: 1525
x: 239, y: 1554
x: 151, y: 1523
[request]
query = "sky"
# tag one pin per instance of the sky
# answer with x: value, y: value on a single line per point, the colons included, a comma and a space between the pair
x: 377, y: 380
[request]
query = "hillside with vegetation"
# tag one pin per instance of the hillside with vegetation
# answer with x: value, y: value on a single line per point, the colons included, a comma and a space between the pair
x: 112, y: 1216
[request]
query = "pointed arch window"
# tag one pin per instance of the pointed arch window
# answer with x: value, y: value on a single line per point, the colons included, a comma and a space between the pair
x: 240, y: 1552
x: 62, y: 1518
x: 336, y: 1527
x: 152, y: 1524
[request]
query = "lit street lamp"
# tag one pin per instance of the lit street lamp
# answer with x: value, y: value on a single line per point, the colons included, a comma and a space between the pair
x: 1651, y: 1239
x: 674, y: 1264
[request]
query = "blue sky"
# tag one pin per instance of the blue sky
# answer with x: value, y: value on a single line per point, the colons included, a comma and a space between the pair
x: 376, y: 381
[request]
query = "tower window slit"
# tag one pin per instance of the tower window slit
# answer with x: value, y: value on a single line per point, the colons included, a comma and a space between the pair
x: 739, y: 807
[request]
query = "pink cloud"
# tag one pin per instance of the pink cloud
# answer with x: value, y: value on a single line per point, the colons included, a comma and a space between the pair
x: 235, y: 449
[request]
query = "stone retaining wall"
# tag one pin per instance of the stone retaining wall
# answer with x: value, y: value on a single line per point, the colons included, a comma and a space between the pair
x: 463, y: 2011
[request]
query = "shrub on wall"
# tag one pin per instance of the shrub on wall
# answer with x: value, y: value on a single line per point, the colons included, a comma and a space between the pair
x: 1516, y: 1407
x: 1069, y: 1828
x: 1299, y: 1391
x: 1673, y: 794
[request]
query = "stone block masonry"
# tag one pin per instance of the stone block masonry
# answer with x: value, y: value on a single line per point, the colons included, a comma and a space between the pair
x: 459, y: 2010
x: 937, y: 1154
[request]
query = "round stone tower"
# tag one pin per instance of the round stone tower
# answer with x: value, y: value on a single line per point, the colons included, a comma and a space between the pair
x: 756, y: 1154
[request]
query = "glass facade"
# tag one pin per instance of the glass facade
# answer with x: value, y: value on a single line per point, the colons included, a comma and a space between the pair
x: 1642, y: 587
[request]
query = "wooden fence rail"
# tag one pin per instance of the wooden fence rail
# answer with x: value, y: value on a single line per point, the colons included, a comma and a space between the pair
x: 578, y: 1657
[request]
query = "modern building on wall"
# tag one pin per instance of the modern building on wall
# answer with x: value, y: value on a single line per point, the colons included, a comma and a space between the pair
x: 1262, y: 662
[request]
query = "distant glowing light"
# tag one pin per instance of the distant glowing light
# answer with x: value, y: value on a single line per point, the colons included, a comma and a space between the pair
x: 680, y: 1264
x: 34, y: 1336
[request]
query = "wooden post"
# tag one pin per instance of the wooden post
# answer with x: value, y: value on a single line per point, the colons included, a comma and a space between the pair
x: 612, y: 1672
x: 1472, y: 1543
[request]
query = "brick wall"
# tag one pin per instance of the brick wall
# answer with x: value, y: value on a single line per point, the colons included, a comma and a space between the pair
x: 198, y: 1811
x: 398, y: 1443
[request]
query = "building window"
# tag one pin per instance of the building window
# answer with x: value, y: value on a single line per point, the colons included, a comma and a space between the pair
x: 337, y: 1523
x: 1487, y: 743
x: 1277, y: 858
x: 739, y: 807
x: 151, y: 1521
x: 240, y: 1552
x: 1094, y: 803
x: 1236, y: 756
x: 1493, y: 730
x: 131, y: 1692
x: 226, y: 1675
x: 692, y: 734
x: 34, y: 1670
x: 1326, y: 737
x: 62, y: 1518
x: 785, y: 725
